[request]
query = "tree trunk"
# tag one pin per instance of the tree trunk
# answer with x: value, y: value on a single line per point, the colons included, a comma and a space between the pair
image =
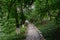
x: 22, y: 14
x: 16, y: 18
x: 17, y: 21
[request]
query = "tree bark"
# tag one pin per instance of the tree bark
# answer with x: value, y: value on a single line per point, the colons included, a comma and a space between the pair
x: 16, y: 18
x: 22, y: 14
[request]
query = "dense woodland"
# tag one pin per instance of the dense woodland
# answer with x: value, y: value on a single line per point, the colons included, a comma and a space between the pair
x: 45, y: 14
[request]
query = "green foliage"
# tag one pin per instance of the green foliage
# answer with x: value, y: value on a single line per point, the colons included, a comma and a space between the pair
x: 44, y: 12
x: 50, y: 31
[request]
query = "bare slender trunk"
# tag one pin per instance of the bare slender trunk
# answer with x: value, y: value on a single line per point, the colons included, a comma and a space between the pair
x: 22, y: 14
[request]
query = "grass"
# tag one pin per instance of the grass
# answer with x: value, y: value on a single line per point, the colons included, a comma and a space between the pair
x: 14, y: 36
x: 50, y: 31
